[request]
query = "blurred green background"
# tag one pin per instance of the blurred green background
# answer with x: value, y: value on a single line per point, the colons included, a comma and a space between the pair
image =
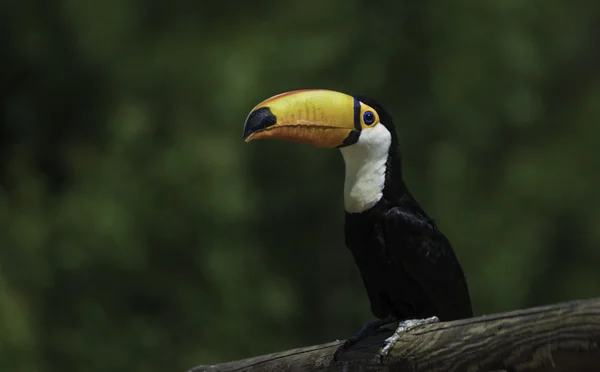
x: 140, y: 233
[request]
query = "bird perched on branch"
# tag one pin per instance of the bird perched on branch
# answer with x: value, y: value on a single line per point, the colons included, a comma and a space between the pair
x: 408, y: 267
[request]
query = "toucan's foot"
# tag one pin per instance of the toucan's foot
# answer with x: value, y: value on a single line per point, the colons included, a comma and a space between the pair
x: 403, y: 328
x: 365, y: 331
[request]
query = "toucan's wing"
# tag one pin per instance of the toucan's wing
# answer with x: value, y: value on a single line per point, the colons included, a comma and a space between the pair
x: 414, y: 243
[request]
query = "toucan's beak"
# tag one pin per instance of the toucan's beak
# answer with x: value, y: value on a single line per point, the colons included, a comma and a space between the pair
x: 317, y: 117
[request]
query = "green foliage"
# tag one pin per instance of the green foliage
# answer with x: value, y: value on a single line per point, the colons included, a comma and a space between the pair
x: 140, y: 233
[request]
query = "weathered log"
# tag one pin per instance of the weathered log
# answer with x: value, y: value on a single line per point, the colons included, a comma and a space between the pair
x: 562, y: 337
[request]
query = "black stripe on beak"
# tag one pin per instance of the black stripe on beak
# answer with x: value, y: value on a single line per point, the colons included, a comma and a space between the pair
x: 351, y: 139
x: 357, y: 114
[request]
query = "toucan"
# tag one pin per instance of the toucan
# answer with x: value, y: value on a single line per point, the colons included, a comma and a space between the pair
x: 410, y: 272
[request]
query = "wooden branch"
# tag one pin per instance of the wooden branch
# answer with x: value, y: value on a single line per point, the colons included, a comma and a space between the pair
x: 563, y: 337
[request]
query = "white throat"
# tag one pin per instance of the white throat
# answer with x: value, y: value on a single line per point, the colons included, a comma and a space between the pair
x: 365, y: 168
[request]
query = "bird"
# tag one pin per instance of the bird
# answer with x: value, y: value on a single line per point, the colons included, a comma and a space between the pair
x: 411, y: 273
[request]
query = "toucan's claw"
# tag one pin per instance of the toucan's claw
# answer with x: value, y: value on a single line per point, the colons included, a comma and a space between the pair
x: 403, y: 328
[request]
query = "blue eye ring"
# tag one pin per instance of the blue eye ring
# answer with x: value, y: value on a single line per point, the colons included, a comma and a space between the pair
x: 369, y: 117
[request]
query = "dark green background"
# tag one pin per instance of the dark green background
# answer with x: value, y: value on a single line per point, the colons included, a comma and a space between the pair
x: 140, y: 233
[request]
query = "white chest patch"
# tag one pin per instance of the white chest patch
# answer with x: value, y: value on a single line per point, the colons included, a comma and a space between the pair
x: 365, y: 168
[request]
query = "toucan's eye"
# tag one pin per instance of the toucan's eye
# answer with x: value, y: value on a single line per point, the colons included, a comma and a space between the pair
x: 369, y: 117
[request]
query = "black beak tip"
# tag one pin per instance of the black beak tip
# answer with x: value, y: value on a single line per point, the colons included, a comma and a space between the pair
x: 258, y: 120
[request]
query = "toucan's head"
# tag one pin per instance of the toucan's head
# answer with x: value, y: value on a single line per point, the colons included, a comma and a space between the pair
x: 317, y: 117
x: 357, y: 125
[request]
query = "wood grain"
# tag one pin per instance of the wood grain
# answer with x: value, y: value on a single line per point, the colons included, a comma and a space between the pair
x: 559, y: 338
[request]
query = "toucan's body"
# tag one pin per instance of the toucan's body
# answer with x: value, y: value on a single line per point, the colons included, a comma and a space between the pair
x: 408, y: 266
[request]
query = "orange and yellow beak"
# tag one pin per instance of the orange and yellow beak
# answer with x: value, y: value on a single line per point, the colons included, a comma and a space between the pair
x: 317, y: 117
